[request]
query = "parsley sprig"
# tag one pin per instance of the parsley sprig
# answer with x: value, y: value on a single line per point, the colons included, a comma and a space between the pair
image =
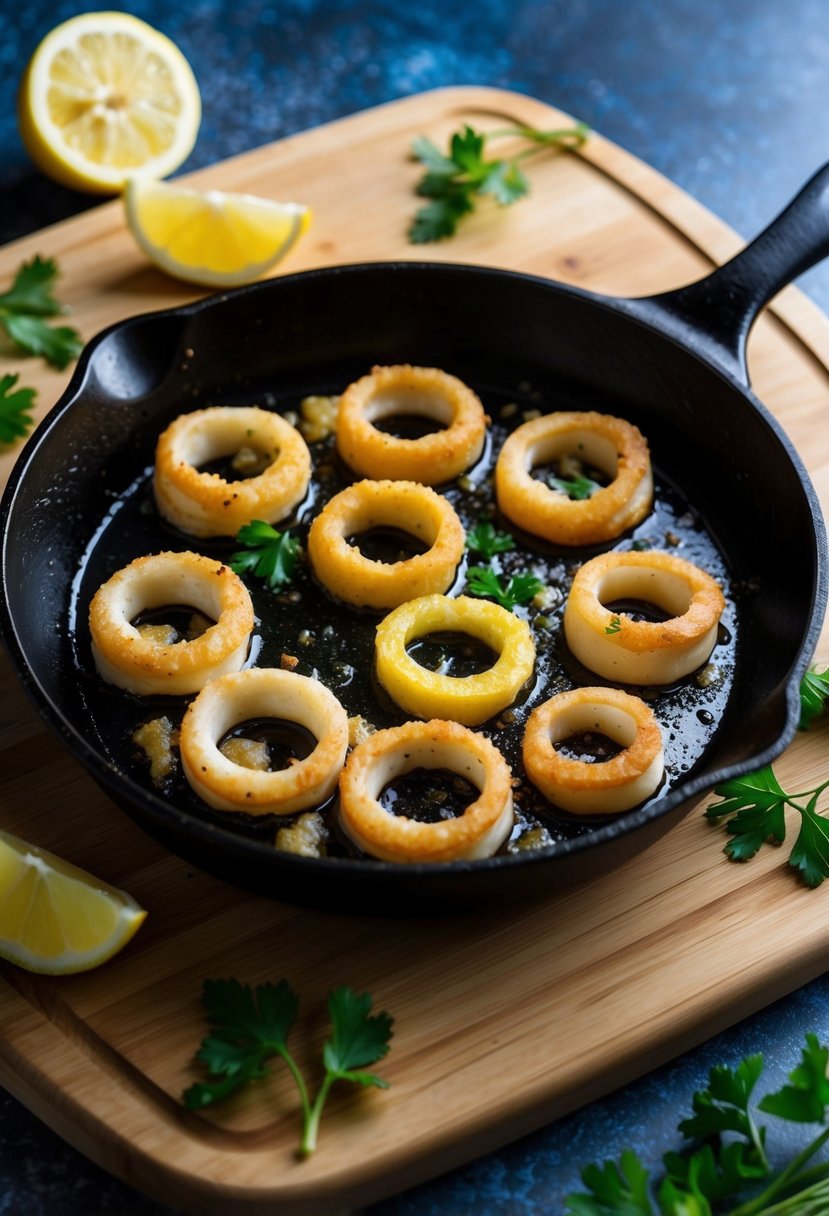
x: 25, y: 307
x: 485, y: 583
x: 15, y: 409
x: 452, y: 181
x: 484, y: 539
x: 725, y: 1170
x: 249, y: 1027
x: 753, y: 806
x: 577, y: 488
x: 268, y: 554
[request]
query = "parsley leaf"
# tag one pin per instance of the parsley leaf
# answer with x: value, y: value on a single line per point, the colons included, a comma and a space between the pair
x: 485, y: 583
x: 757, y: 802
x: 727, y: 1175
x: 814, y: 693
x: 357, y: 1039
x: 432, y: 158
x: 454, y: 180
x: 705, y: 1174
x: 23, y: 308
x: 576, y: 488
x: 251, y: 1026
x: 270, y: 555
x: 506, y: 182
x: 31, y: 291
x: 723, y: 1106
x: 58, y: 345
x: 615, y: 625
x: 484, y: 539
x: 615, y: 1189
x: 806, y: 1098
x: 438, y: 218
x: 810, y: 854
x: 15, y: 409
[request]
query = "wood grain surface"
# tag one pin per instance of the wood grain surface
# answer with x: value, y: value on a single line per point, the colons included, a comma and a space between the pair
x: 503, y: 1020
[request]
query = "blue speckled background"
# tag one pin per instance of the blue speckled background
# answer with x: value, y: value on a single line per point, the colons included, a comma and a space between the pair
x: 728, y: 99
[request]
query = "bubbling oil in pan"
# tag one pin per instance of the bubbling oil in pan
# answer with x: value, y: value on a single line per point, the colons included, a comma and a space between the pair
x: 336, y: 644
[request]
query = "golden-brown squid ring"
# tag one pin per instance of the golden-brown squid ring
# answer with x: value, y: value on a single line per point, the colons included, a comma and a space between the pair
x: 601, y: 788
x: 415, y: 509
x: 388, y: 754
x: 467, y: 699
x: 263, y: 692
x: 426, y: 392
x: 642, y: 652
x: 611, y: 444
x: 204, y: 504
x: 139, y: 664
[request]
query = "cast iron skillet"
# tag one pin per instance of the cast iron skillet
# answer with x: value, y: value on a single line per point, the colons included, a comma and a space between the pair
x: 674, y: 364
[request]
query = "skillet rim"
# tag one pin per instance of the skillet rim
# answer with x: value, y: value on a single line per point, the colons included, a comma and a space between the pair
x: 642, y: 312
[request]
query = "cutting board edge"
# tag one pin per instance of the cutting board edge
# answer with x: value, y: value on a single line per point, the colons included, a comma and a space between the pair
x: 203, y: 1194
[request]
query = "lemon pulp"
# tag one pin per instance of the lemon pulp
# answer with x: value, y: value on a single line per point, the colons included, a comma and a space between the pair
x: 105, y: 97
x: 55, y: 917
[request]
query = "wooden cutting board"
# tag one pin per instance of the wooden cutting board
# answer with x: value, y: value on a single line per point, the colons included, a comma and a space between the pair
x: 503, y: 1020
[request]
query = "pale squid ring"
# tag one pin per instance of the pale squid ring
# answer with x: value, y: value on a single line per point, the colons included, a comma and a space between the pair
x: 467, y: 699
x: 263, y: 692
x: 478, y: 832
x: 642, y: 652
x: 358, y: 580
x: 205, y: 504
x: 403, y: 389
x: 611, y: 444
x: 601, y: 788
x: 125, y: 658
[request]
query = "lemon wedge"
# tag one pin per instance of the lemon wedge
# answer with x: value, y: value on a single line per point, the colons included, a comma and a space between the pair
x: 106, y: 97
x: 55, y: 918
x: 210, y: 237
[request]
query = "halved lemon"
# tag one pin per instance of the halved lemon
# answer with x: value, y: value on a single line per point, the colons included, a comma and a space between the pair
x: 56, y: 918
x: 106, y: 97
x: 210, y: 237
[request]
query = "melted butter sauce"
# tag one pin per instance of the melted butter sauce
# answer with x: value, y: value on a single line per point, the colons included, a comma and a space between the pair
x: 335, y: 644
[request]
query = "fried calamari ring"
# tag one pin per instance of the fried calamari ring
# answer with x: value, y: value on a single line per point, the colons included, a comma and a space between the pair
x: 143, y: 666
x: 414, y: 508
x: 610, y: 444
x: 205, y: 504
x: 426, y: 392
x: 263, y: 692
x: 388, y: 754
x: 604, y: 787
x: 467, y: 699
x: 642, y: 652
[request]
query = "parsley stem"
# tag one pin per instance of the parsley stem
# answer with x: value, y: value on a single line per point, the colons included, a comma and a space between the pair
x: 818, y: 790
x: 809, y: 1202
x: 758, y: 1205
x: 578, y: 134
x: 311, y: 1117
x: 299, y: 1079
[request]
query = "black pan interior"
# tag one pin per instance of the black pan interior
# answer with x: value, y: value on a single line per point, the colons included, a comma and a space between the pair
x: 728, y: 488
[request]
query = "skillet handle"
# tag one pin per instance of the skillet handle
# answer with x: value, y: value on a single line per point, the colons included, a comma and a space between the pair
x: 717, y: 312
